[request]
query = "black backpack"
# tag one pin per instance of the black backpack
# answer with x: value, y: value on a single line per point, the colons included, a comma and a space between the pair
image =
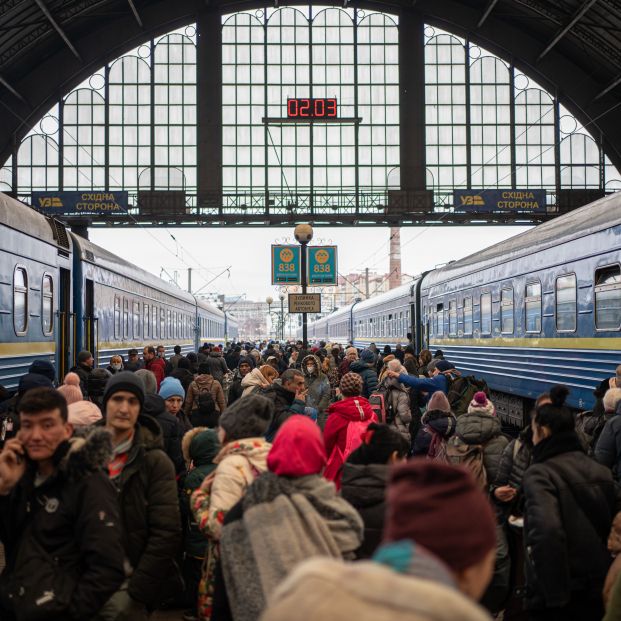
x: 461, y: 390
x: 205, y: 402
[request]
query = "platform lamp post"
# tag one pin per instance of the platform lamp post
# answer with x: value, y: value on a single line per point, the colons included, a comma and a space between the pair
x: 303, y: 234
x: 269, y: 300
x: 281, y: 297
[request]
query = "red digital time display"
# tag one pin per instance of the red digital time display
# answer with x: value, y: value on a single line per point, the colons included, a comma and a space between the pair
x: 311, y: 108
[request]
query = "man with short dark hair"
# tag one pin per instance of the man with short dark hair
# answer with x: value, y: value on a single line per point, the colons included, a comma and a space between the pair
x: 83, y: 369
x: 289, y: 397
x: 59, y: 516
x: 147, y: 490
x: 161, y: 352
x: 133, y: 363
x: 174, y: 360
x: 154, y: 364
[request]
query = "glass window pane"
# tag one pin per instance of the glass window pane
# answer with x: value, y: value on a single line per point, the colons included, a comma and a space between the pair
x: 533, y: 307
x: 566, y: 303
x: 486, y: 313
x: 47, y: 306
x: 506, y: 311
x: 467, y: 315
x: 608, y: 298
x: 20, y: 300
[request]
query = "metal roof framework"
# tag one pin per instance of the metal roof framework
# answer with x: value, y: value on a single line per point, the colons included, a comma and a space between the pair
x: 571, y: 47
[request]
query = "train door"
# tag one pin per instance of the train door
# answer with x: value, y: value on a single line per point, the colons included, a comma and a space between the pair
x: 90, y: 321
x: 64, y: 332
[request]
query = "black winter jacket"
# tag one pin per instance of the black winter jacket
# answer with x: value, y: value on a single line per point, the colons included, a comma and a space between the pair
x: 172, y: 430
x: 570, y: 502
x: 83, y: 371
x: 75, y: 517
x: 150, y: 516
x: 514, y: 462
x: 368, y: 375
x: 608, y: 447
x: 217, y: 366
x: 364, y: 487
x: 285, y: 405
x: 433, y: 421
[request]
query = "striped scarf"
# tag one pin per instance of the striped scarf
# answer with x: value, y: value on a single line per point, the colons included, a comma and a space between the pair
x: 120, y: 453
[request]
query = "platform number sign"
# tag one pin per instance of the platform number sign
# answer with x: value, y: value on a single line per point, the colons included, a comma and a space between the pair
x: 286, y: 265
x: 322, y: 265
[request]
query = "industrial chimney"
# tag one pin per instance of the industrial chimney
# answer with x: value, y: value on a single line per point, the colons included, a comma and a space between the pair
x: 394, y: 278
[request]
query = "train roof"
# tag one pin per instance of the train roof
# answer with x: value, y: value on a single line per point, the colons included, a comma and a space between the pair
x: 23, y: 218
x: 104, y: 258
x: 600, y: 215
x: 389, y: 296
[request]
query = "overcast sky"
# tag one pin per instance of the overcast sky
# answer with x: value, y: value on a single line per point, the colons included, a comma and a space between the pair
x: 246, y: 251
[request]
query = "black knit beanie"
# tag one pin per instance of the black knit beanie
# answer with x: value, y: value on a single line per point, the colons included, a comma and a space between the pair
x: 124, y: 381
x: 379, y: 442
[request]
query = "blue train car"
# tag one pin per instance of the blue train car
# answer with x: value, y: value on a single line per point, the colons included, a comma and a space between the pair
x: 119, y: 306
x: 59, y: 293
x: 539, y: 309
x: 35, y: 291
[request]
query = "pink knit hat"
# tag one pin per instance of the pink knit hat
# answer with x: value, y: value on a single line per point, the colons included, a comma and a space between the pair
x: 481, y: 404
x: 438, y: 401
x: 70, y: 389
x: 83, y: 413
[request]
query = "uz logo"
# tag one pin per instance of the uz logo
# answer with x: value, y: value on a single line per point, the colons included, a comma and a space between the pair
x: 472, y: 200
x: 51, y: 201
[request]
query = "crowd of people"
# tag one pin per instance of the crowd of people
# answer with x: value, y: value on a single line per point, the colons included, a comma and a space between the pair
x: 278, y: 481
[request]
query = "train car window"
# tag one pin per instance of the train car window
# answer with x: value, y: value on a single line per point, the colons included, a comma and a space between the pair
x: 125, y: 318
x: 468, y: 315
x: 169, y: 325
x: 117, y: 317
x: 452, y: 318
x: 440, y: 320
x: 147, y: 321
x: 608, y: 298
x: 154, y: 314
x: 47, y: 305
x: 136, y: 326
x: 506, y: 311
x: 20, y: 301
x: 175, y: 332
x: 162, y: 323
x: 532, y: 305
x: 566, y: 312
x: 486, y: 313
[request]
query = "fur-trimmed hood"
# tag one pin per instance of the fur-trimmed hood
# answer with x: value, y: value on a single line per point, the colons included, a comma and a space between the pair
x: 89, y: 450
x: 317, y: 361
x: 200, y: 450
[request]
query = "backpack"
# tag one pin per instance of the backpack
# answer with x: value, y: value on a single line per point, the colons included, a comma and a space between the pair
x: 205, y: 402
x: 470, y: 456
x: 338, y: 457
x: 438, y: 450
x: 381, y: 404
x: 461, y: 390
x: 589, y: 426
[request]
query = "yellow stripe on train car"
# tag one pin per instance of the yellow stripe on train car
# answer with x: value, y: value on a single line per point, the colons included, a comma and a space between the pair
x: 37, y: 348
x: 604, y: 343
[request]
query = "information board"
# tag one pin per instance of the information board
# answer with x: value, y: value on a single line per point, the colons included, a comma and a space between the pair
x: 286, y: 265
x: 492, y: 201
x: 80, y: 203
x: 304, y: 302
x: 322, y: 265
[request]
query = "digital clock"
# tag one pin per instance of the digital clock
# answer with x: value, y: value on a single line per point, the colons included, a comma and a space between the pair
x: 311, y: 108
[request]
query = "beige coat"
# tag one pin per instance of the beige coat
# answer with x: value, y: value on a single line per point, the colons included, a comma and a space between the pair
x: 365, y: 591
x: 239, y: 463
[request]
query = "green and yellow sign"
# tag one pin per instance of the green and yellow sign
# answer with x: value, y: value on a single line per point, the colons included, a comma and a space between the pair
x: 322, y: 265
x: 286, y: 263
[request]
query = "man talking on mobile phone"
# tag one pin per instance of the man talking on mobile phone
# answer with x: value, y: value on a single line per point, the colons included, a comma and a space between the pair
x: 59, y: 517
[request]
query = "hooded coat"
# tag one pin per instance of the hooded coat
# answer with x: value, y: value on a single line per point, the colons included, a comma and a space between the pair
x: 318, y: 387
x: 483, y: 428
x: 200, y: 447
x: 201, y: 384
x: 147, y: 494
x: 65, y: 513
x: 286, y: 516
x: 400, y: 401
x: 570, y: 503
x: 253, y: 382
x: 364, y: 487
x: 340, y: 415
x: 368, y: 375
x: 172, y: 430
x: 433, y: 421
x: 325, y: 588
